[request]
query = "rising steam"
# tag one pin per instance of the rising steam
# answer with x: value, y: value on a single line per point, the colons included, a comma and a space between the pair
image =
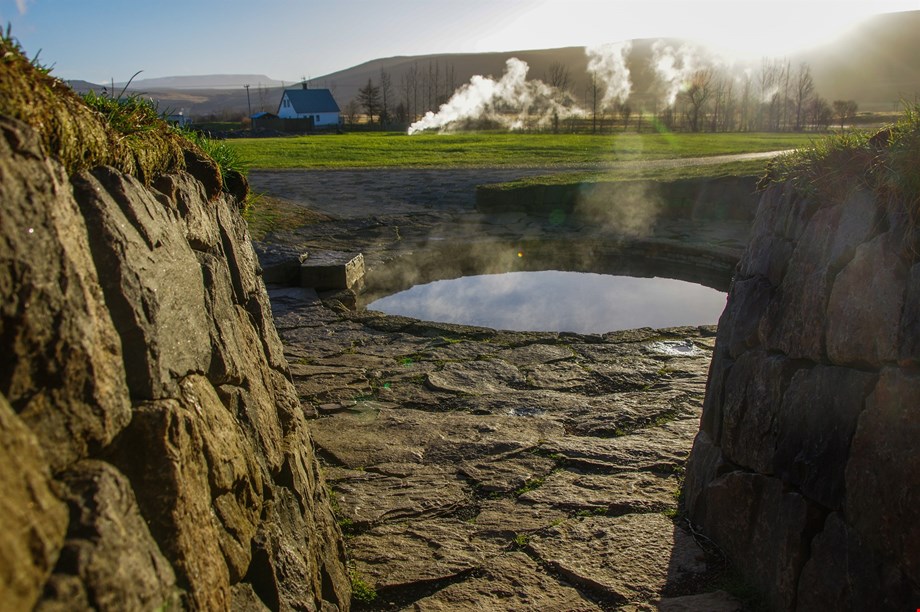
x: 608, y: 63
x: 512, y: 101
x: 674, y: 67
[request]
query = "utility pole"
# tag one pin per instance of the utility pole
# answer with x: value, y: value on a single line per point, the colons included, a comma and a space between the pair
x: 249, y: 104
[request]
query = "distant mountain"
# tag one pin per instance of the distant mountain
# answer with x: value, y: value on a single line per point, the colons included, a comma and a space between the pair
x: 875, y: 64
x: 204, y: 81
x: 82, y: 87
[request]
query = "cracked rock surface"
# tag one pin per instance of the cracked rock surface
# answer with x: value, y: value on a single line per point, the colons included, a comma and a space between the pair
x: 475, y: 469
x: 466, y: 483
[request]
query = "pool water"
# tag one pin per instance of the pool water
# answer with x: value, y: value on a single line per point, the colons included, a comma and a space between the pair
x: 558, y: 301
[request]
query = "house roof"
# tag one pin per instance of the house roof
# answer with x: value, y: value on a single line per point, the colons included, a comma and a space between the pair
x: 261, y: 115
x: 312, y: 100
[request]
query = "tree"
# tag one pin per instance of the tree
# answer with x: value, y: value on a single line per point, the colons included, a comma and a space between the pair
x: 593, y: 90
x: 351, y: 111
x: 402, y: 113
x: 698, y: 92
x: 386, y: 96
x: 558, y: 79
x: 369, y: 99
x: 820, y: 114
x: 626, y: 112
x: 804, y: 90
x: 408, y: 84
x: 845, y: 110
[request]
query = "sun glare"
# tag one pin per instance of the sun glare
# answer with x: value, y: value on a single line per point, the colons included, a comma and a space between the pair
x: 739, y: 29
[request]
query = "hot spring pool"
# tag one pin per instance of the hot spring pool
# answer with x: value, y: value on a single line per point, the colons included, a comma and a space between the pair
x: 558, y: 301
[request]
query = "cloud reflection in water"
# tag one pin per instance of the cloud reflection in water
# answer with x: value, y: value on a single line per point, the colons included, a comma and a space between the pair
x: 558, y: 301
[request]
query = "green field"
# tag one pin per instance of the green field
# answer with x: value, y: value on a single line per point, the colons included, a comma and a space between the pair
x: 470, y: 150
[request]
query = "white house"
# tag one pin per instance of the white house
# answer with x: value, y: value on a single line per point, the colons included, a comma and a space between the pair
x: 316, y: 104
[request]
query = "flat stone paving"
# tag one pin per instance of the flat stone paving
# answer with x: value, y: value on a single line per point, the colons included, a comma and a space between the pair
x: 476, y: 469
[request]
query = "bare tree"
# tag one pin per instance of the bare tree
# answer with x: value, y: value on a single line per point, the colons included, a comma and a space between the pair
x: 558, y: 76
x: 406, y: 83
x: 593, y: 91
x: 626, y: 112
x: 352, y: 109
x: 766, y: 82
x: 386, y: 96
x: 697, y: 94
x: 820, y: 114
x: 804, y: 90
x: 746, y: 117
x: 845, y: 110
x: 558, y: 79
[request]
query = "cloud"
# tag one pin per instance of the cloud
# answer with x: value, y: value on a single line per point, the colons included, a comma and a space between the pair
x: 23, y: 5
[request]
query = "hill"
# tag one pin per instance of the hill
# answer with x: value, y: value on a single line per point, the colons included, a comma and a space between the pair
x: 874, y: 64
x: 206, y: 81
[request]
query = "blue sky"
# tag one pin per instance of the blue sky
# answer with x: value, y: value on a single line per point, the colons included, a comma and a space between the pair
x: 99, y: 40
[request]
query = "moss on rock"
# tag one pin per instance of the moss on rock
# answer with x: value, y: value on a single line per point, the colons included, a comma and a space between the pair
x: 126, y: 134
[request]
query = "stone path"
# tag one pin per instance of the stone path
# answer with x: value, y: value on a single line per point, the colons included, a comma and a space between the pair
x: 489, y: 470
x: 476, y: 469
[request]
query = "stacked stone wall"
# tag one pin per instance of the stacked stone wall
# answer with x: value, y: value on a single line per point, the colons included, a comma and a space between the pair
x: 153, y: 452
x: 805, y: 470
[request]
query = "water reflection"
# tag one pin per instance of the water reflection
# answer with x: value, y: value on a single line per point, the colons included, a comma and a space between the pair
x: 558, y: 301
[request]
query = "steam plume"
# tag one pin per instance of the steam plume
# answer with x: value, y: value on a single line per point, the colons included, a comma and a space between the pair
x: 511, y: 101
x: 608, y: 63
x: 674, y: 67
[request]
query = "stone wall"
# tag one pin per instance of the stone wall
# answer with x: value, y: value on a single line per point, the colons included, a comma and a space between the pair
x: 153, y: 453
x: 805, y: 469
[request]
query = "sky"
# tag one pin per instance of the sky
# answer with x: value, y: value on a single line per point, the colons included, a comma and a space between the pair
x: 103, y: 40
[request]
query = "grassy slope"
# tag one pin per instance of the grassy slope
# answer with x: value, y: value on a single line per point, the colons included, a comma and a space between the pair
x: 470, y: 150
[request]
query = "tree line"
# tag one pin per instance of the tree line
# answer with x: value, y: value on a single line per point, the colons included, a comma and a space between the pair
x: 775, y: 98
x: 419, y: 89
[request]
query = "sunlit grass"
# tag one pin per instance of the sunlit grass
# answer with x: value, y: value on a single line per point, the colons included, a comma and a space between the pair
x: 482, y: 149
x: 888, y: 163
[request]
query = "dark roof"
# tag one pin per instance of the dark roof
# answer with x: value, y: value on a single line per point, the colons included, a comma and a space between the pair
x: 261, y: 115
x: 312, y: 100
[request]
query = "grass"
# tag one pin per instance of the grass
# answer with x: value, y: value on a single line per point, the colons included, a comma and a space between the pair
x: 85, y: 133
x: 227, y: 158
x: 361, y: 590
x: 888, y: 164
x: 265, y: 215
x: 491, y: 149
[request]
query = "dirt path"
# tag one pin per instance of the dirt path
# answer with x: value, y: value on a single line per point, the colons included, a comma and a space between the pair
x: 391, y: 191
